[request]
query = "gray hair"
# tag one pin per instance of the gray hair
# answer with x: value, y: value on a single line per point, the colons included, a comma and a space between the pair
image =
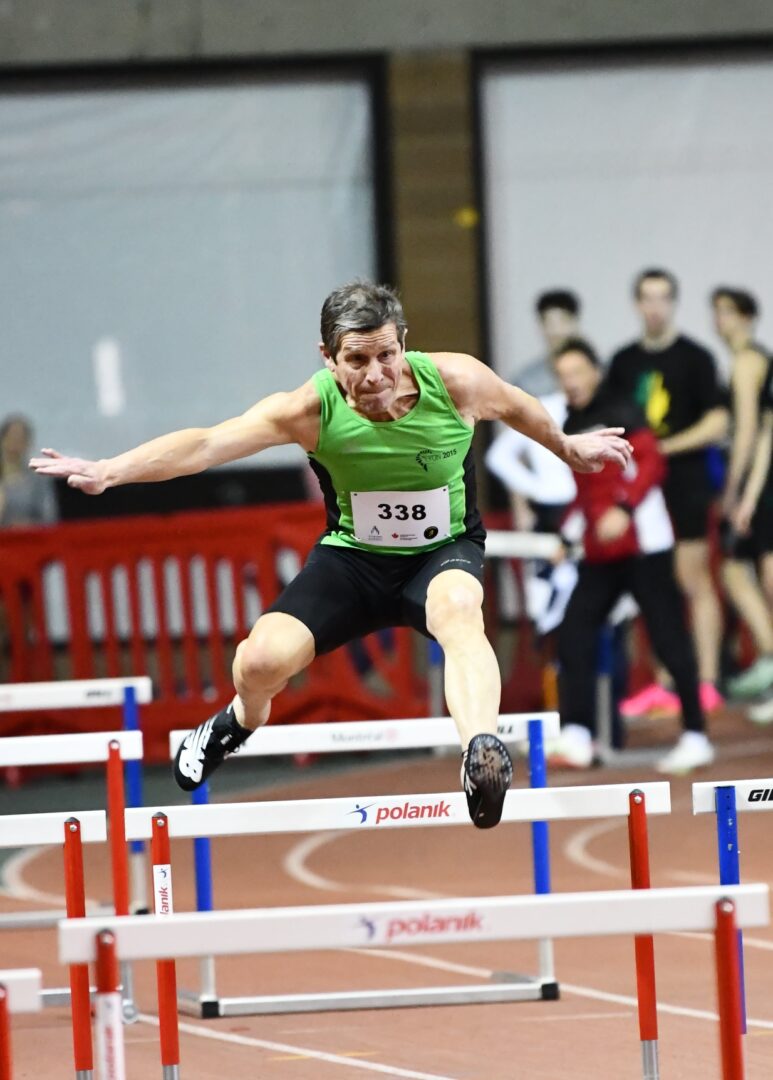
x: 359, y: 305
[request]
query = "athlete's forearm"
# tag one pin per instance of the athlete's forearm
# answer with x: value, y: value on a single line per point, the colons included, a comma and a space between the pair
x: 180, y: 453
x: 529, y: 416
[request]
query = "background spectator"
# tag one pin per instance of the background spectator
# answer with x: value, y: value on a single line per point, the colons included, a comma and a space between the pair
x: 735, y: 314
x: 674, y: 381
x: 628, y: 543
x: 25, y: 498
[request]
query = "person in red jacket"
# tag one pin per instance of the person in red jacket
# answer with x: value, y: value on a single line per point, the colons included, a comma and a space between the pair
x: 621, y: 517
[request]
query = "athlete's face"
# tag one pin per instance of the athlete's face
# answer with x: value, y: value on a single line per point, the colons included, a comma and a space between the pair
x: 579, y: 378
x: 728, y: 321
x: 656, y: 306
x: 367, y: 367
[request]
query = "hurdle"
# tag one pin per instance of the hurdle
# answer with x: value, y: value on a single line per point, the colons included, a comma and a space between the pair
x: 19, y: 993
x: 380, y: 735
x: 72, y: 830
x: 341, y: 926
x: 355, y: 813
x: 128, y: 693
x: 726, y: 799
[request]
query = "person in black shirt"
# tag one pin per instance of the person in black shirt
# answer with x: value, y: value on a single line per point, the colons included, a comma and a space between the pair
x: 735, y: 313
x: 674, y: 380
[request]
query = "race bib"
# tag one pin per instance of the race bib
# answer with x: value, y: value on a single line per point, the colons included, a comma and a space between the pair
x: 401, y: 518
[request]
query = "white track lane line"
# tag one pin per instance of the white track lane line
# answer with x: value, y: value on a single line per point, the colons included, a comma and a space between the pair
x: 294, y: 864
x: 287, y: 1048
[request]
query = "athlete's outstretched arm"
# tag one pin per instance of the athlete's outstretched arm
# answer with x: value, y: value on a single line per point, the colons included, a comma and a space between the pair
x: 274, y: 421
x: 479, y: 394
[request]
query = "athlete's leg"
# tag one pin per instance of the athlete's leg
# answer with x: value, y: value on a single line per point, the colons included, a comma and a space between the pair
x: 279, y: 646
x: 472, y: 683
x: 453, y: 616
x: 327, y: 603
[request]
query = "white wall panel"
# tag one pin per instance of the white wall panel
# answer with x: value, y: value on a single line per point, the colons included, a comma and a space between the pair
x: 596, y: 171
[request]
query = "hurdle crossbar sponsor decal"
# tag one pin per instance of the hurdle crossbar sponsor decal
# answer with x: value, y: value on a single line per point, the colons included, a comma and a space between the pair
x: 162, y: 889
x: 401, y: 809
x: 424, y: 927
x: 754, y: 794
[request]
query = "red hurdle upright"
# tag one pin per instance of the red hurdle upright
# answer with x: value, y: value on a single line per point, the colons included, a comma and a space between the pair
x: 644, y: 945
x: 80, y: 992
x: 729, y: 992
x: 166, y: 973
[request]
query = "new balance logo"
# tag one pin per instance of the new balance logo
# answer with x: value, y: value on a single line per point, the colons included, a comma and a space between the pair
x: 191, y: 760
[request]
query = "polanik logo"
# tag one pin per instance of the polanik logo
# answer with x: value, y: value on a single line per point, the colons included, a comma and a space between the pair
x: 362, y: 811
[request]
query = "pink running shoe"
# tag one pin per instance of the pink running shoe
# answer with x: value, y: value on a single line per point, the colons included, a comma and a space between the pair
x: 652, y: 700
x: 711, y: 699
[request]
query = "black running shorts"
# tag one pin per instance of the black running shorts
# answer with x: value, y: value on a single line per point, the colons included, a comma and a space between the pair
x: 689, y: 498
x: 342, y: 593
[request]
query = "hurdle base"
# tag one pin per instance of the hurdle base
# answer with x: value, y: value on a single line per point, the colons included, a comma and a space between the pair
x: 507, y: 989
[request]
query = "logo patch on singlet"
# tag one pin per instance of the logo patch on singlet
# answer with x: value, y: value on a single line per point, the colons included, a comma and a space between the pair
x: 425, y: 458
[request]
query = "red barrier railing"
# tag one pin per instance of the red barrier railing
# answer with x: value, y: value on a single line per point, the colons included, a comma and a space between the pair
x: 171, y: 597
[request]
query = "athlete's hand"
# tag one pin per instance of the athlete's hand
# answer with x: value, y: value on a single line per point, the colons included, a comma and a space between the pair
x: 590, y: 452
x: 86, y: 476
x: 741, y: 517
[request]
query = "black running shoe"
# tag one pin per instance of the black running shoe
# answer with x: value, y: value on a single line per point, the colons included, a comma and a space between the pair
x: 487, y: 773
x: 205, y: 748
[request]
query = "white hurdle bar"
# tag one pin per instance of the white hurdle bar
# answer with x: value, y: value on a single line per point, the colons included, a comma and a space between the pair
x: 73, y: 694
x: 415, y: 922
x: 357, y: 735
x: 371, y: 812
x: 363, y: 926
x: 392, y: 811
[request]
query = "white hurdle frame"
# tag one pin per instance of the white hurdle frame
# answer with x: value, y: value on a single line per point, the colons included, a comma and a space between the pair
x: 363, y: 926
x: 323, y: 815
x: 81, y: 749
x: 376, y: 735
x: 127, y: 692
x: 33, y: 830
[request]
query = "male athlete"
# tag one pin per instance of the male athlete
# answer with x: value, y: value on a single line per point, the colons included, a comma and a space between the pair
x: 388, y: 434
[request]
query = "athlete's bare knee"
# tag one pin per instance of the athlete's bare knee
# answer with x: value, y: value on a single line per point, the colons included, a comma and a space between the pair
x: 453, y: 604
x: 263, y: 662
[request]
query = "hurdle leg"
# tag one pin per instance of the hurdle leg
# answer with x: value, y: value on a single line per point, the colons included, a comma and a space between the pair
x: 540, y: 846
x: 729, y: 991
x: 80, y: 993
x: 166, y: 974
x: 202, y: 855
x: 730, y: 864
x: 5, y: 1037
x: 116, y: 811
x: 111, y: 1062
x: 644, y: 946
x: 133, y: 775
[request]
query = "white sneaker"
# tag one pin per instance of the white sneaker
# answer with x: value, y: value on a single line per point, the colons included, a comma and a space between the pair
x: 761, y: 712
x: 572, y: 749
x: 693, y: 751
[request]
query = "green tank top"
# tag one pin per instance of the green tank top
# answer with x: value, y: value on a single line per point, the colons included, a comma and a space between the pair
x: 399, y: 487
